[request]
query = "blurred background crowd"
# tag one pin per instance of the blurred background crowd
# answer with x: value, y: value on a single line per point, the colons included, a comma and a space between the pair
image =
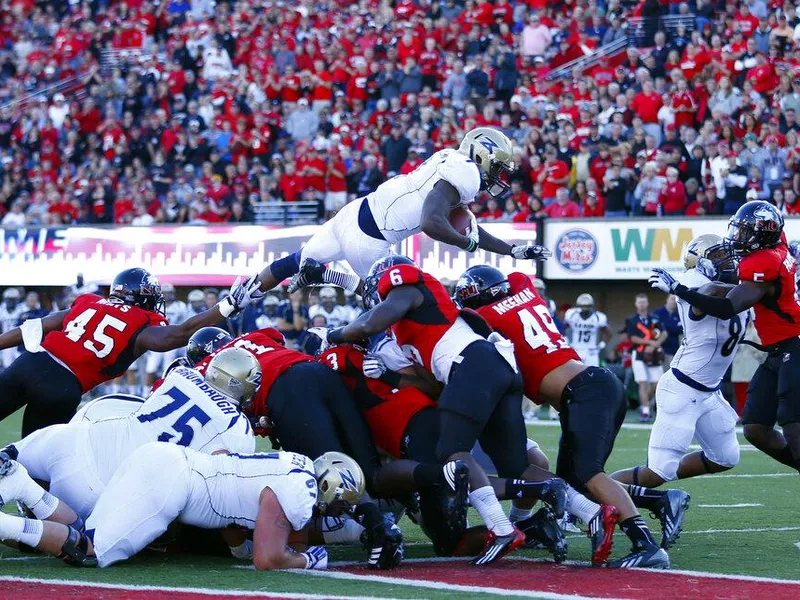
x: 208, y: 111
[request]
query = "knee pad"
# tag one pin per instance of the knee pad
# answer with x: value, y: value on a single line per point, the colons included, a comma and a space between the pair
x: 285, y: 267
x: 727, y: 456
x: 75, y: 550
x: 664, y: 462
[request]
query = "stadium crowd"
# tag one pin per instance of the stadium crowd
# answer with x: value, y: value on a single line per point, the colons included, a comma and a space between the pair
x: 196, y: 111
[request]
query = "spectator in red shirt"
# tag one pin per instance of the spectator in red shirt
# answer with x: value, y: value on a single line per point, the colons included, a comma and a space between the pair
x: 594, y: 206
x: 673, y: 195
x: 646, y: 105
x: 563, y: 207
x: 290, y: 184
x: 336, y: 182
x: 553, y: 175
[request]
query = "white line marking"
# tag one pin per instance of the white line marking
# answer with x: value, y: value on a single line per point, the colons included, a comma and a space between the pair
x: 797, y: 545
x: 220, y: 593
x: 437, y: 585
x: 754, y: 530
x: 746, y: 475
x: 10, y: 558
x: 745, y: 505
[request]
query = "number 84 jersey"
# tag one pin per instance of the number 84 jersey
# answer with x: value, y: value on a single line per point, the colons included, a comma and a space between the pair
x: 709, y: 344
x: 97, y: 339
x: 524, y: 318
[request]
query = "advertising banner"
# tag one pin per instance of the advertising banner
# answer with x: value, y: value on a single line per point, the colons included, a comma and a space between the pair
x: 626, y: 248
x: 199, y: 255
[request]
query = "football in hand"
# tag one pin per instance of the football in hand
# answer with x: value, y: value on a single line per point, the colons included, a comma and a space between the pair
x: 460, y: 219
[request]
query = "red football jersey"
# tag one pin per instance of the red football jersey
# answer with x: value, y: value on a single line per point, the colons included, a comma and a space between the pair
x: 97, y: 339
x: 422, y: 328
x: 267, y: 346
x: 778, y: 316
x: 523, y: 318
x: 387, y: 410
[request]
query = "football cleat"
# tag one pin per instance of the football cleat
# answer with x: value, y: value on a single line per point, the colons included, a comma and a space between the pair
x: 648, y: 557
x: 671, y: 512
x: 452, y: 495
x: 569, y: 524
x: 498, y: 546
x: 601, y: 532
x: 384, y: 542
x: 310, y: 273
x: 542, y: 531
x: 14, y: 479
x: 555, y: 494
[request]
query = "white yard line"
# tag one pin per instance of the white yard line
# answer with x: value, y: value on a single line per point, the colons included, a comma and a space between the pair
x: 745, y: 505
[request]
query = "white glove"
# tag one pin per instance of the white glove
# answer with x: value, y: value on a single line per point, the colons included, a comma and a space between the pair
x: 707, y: 268
x: 374, y: 367
x: 240, y: 295
x: 473, y: 234
x: 661, y: 280
x: 316, y: 557
x: 530, y: 251
x: 243, y: 552
x: 322, y: 334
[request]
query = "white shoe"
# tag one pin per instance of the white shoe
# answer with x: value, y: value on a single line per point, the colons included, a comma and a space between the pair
x: 567, y: 524
x: 14, y: 480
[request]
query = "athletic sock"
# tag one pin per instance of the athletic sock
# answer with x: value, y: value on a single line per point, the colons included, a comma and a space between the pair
x: 580, y: 506
x: 638, y: 532
x: 428, y: 475
x: 645, y: 497
x: 521, y: 488
x: 519, y: 514
x: 348, y: 281
x: 44, y: 507
x: 491, y: 511
x: 339, y: 530
x: 20, y: 529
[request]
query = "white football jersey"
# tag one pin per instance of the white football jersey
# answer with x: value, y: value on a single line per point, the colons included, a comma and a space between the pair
x: 336, y: 318
x: 709, y: 344
x: 585, y: 333
x: 111, y: 406
x: 185, y: 411
x: 397, y: 203
x: 225, y: 489
x: 175, y: 312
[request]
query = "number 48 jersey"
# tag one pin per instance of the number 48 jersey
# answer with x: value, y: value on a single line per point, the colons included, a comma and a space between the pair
x: 97, y: 339
x: 185, y: 411
x: 709, y: 344
x: 524, y: 318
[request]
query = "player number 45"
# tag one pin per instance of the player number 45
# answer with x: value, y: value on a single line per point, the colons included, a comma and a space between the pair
x: 103, y: 344
x: 540, y: 330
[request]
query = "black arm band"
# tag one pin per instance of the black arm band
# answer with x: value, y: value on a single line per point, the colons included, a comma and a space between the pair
x: 336, y: 336
x: 719, y: 307
x: 391, y: 377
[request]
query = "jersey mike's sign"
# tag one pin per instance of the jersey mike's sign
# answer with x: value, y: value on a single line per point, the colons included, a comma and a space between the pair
x: 202, y: 255
x: 626, y: 248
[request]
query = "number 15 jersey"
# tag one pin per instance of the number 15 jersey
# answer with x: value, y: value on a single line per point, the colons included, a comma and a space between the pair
x: 523, y: 317
x: 97, y: 339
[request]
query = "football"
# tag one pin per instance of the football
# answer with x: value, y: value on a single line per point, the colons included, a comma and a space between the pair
x: 460, y: 219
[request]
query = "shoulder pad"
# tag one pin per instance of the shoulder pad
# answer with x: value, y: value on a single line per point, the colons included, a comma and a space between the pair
x: 763, y: 265
x: 398, y: 276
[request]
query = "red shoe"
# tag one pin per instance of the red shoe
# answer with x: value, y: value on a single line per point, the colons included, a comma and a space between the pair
x: 601, y: 532
x: 497, y: 547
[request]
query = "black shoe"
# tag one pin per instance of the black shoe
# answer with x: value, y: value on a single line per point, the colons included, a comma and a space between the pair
x: 310, y: 273
x: 384, y: 542
x: 497, y: 547
x: 671, y: 512
x: 452, y: 495
x: 649, y: 557
x: 555, y: 494
x: 542, y: 530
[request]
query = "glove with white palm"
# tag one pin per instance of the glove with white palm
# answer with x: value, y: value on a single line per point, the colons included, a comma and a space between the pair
x: 240, y: 295
x: 530, y: 252
x: 322, y: 334
x: 661, y: 280
x: 316, y: 557
x: 373, y: 367
x: 473, y: 234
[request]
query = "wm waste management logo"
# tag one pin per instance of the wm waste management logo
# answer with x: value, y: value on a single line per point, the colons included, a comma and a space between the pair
x: 576, y: 250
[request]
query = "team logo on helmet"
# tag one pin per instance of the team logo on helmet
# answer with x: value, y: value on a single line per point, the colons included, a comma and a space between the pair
x: 576, y: 250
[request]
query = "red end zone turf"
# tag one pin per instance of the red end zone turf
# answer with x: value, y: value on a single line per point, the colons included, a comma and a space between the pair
x: 547, y: 578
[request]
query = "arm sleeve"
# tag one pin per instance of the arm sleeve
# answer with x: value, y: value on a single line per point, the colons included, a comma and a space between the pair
x: 721, y: 308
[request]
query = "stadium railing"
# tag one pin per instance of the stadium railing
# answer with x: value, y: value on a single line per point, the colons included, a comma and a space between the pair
x: 286, y: 213
x: 642, y: 29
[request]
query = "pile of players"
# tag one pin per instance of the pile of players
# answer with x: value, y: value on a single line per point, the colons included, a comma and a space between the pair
x: 449, y: 375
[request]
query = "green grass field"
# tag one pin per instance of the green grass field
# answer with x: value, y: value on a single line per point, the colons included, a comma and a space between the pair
x: 761, y: 540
